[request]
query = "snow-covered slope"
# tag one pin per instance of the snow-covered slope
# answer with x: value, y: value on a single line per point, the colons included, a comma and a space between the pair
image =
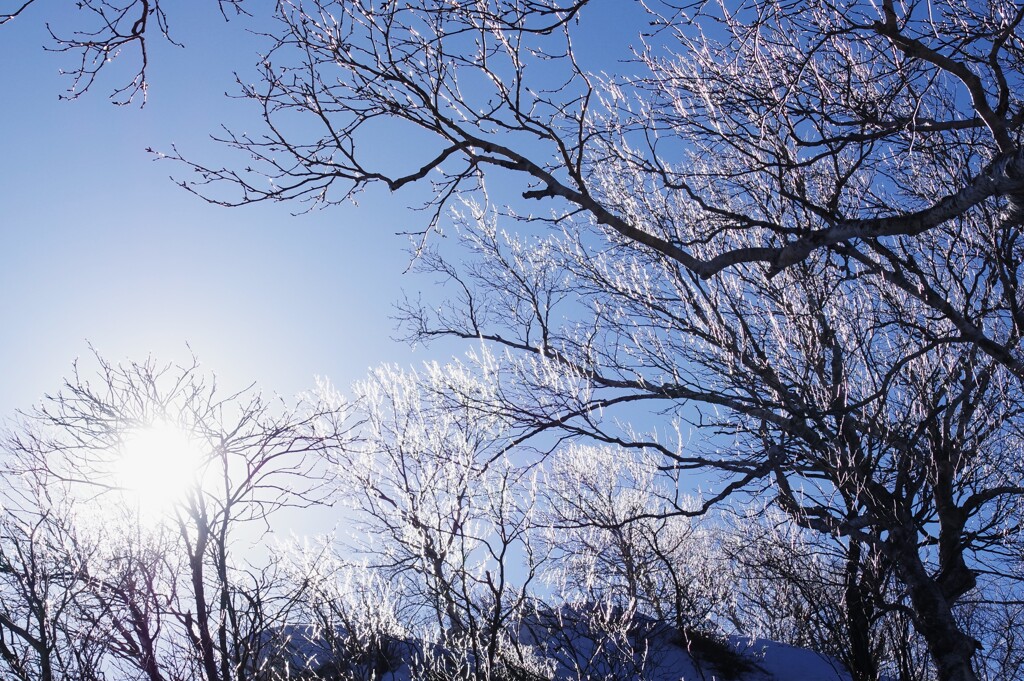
x: 788, y: 663
x: 654, y: 651
x: 650, y: 652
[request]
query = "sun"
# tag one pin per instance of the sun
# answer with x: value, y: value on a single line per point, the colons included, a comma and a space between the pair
x: 157, y: 466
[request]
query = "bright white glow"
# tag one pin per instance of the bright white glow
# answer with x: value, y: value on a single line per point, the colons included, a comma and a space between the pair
x: 157, y: 467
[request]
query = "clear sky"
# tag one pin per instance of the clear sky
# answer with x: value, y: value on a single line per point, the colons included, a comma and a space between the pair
x: 98, y: 245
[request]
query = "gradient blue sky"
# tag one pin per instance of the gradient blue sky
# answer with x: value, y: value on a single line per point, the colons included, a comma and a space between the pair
x: 98, y: 245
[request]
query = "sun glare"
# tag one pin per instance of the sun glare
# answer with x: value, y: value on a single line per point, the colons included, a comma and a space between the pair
x: 157, y: 466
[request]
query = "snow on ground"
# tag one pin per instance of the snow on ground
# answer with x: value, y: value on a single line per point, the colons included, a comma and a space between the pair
x: 788, y: 663
x: 653, y: 652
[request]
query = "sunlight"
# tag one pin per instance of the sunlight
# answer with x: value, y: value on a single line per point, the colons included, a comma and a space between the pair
x: 157, y: 466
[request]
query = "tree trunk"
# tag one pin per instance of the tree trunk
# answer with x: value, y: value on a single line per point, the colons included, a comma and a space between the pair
x: 950, y: 648
x: 206, y: 647
x: 861, y: 662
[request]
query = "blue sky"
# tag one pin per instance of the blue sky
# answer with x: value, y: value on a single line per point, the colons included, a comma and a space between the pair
x: 98, y: 245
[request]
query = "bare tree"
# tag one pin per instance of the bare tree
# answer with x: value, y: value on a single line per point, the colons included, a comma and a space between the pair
x: 41, y: 614
x: 609, y: 520
x: 815, y: 592
x: 99, y: 32
x: 998, y: 615
x: 444, y: 515
x: 787, y: 129
x: 355, y: 623
x: 811, y: 392
x: 867, y: 156
x: 166, y: 592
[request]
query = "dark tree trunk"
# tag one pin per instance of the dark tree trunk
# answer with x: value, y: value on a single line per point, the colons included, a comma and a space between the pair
x: 861, y: 662
x: 950, y: 648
